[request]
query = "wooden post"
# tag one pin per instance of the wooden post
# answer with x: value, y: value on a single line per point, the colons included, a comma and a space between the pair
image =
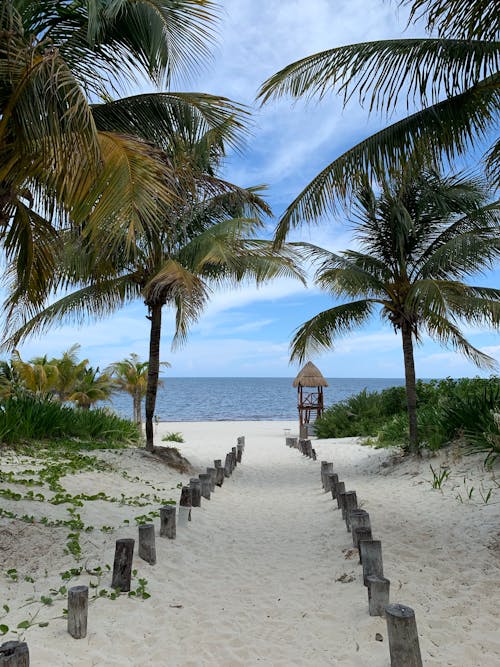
x: 350, y: 503
x: 147, y: 547
x: 167, y: 522
x: 195, y: 486
x: 219, y: 476
x: 378, y: 595
x: 206, y: 483
x: 240, y: 440
x: 403, y: 636
x: 122, y: 566
x: 361, y: 534
x: 309, y: 449
x: 239, y: 452
x: 371, y: 557
x: 228, y: 466
x: 14, y: 654
x: 331, y: 478
x: 235, y: 456
x: 184, y: 516
x: 186, y: 499
x: 359, y: 519
x: 339, y: 489
x: 212, y: 472
x: 326, y: 468
x: 291, y: 442
x: 78, y: 607
x: 313, y: 454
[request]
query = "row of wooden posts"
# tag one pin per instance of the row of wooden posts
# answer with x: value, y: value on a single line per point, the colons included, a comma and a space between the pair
x: 401, y: 625
x: 16, y: 654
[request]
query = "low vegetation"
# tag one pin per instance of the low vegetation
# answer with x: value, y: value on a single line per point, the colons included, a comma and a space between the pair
x: 26, y: 417
x: 465, y: 410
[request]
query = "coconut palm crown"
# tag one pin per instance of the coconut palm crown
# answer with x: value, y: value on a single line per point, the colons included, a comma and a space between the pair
x: 419, y: 237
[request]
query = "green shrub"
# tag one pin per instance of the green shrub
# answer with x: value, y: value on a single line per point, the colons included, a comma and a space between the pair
x: 26, y: 417
x: 173, y: 437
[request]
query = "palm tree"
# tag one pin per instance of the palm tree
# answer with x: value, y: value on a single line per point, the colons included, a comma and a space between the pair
x: 91, y: 388
x: 69, y: 161
x: 131, y: 375
x: 454, y: 74
x: 38, y: 375
x: 207, y: 239
x: 419, y: 238
x: 70, y: 371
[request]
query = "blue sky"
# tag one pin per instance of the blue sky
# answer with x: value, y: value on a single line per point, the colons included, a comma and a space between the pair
x: 247, y: 332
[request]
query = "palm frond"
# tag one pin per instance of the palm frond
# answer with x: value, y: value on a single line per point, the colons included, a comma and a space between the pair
x: 465, y: 19
x: 86, y: 304
x: 318, y: 333
x: 381, y: 73
x: 450, y: 127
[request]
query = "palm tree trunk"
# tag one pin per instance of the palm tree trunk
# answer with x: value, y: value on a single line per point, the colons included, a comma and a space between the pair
x: 153, y: 372
x: 411, y: 385
x: 137, y: 408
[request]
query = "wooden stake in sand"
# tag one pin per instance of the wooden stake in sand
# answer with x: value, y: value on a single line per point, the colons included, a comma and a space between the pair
x: 371, y: 558
x: 147, y: 545
x: 291, y: 442
x: 206, y: 484
x: 186, y: 499
x: 195, y: 486
x: 14, y: 654
x: 234, y: 452
x: 349, y: 502
x: 212, y: 472
x: 331, y: 478
x: 228, y: 465
x: 378, y: 595
x: 359, y: 535
x: 167, y: 522
x: 78, y: 606
x: 403, y: 637
x: 219, y: 472
x: 122, y: 566
x: 239, y: 452
x: 359, y: 519
x: 339, y: 490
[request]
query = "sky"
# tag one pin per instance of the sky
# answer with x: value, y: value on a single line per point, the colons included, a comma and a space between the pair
x: 246, y: 332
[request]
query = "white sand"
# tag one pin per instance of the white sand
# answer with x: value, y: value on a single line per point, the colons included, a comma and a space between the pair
x: 253, y: 579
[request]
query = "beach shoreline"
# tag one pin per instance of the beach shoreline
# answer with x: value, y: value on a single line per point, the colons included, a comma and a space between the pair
x: 264, y: 573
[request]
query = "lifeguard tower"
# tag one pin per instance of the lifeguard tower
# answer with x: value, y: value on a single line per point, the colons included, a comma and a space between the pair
x: 310, y: 403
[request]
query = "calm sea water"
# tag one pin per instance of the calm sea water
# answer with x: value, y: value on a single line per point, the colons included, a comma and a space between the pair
x: 241, y: 399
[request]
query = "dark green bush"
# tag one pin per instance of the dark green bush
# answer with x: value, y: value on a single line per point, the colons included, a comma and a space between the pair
x: 467, y: 409
x: 26, y: 417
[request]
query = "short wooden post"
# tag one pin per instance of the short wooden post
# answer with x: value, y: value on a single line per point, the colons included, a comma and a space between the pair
x: 228, y: 465
x: 331, y: 478
x: 206, y: 483
x: 186, y: 499
x: 240, y: 440
x: 339, y: 489
x: 212, y: 472
x: 359, y: 519
x: 350, y: 503
x: 313, y: 454
x: 239, y: 452
x: 122, y: 566
x: 309, y: 449
x: 378, y: 595
x: 291, y: 442
x: 219, y: 476
x: 235, y: 456
x: 78, y: 607
x: 14, y: 654
x: 371, y: 557
x: 184, y: 516
x: 403, y: 636
x: 147, y: 546
x: 167, y: 522
x: 361, y: 534
x: 195, y: 486
x: 326, y: 468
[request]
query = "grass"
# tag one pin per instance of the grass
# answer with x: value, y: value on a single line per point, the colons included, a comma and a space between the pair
x: 175, y: 436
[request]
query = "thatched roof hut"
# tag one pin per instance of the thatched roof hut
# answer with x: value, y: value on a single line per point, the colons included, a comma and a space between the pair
x: 310, y: 376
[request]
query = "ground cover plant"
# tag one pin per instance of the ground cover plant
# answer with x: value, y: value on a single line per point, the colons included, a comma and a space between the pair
x: 465, y: 410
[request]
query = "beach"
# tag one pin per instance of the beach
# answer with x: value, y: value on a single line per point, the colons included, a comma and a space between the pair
x: 265, y: 573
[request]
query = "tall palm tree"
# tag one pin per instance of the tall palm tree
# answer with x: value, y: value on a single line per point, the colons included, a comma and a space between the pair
x: 38, y: 375
x: 207, y: 239
x: 91, y: 387
x: 419, y: 238
x: 131, y: 375
x: 454, y: 75
x: 70, y: 371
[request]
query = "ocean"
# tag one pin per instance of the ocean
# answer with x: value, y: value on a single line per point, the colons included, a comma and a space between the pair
x: 241, y: 399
